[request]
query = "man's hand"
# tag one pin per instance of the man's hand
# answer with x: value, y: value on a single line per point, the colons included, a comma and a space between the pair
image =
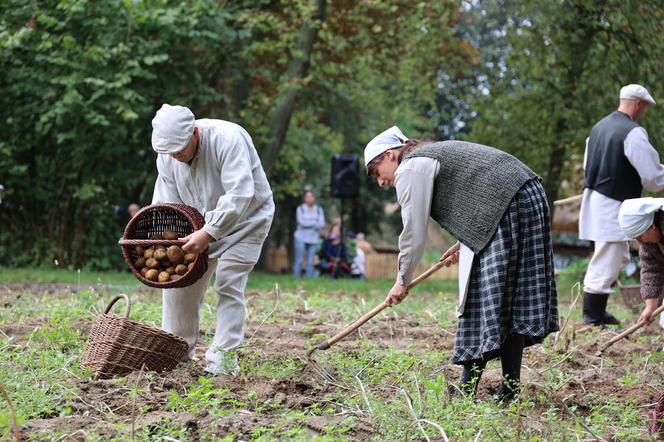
x: 453, y: 252
x: 397, y: 294
x: 646, y: 314
x: 197, y: 242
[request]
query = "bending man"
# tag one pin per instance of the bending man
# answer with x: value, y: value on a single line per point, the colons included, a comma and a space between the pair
x: 212, y: 165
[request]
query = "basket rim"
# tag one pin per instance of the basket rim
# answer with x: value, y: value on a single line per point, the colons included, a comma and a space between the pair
x: 195, y: 219
x: 138, y: 325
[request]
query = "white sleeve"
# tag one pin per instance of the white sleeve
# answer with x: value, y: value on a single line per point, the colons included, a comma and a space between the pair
x: 645, y: 159
x: 414, y: 186
x: 238, y: 182
x: 165, y: 190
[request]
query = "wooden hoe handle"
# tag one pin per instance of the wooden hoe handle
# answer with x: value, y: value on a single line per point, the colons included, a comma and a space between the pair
x: 380, y: 307
x: 630, y: 330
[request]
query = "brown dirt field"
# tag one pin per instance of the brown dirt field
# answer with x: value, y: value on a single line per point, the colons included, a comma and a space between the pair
x: 102, y: 401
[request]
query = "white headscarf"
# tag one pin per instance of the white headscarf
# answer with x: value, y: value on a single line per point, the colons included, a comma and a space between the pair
x: 172, y: 127
x: 638, y: 214
x: 389, y: 139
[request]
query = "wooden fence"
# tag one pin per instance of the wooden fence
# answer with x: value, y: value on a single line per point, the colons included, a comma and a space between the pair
x: 378, y: 265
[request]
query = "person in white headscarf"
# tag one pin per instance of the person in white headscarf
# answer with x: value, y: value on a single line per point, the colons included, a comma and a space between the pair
x: 642, y: 219
x: 497, y: 209
x: 619, y: 163
x: 212, y: 165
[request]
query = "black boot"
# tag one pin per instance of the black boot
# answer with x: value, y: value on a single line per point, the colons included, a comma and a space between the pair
x: 607, y: 317
x: 511, y: 354
x: 594, y: 309
x: 470, y: 377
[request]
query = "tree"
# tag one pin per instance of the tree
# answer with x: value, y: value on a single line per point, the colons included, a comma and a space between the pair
x: 81, y: 81
x: 565, y: 65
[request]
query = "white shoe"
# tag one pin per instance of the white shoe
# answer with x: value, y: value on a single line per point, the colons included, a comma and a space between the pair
x: 227, y: 365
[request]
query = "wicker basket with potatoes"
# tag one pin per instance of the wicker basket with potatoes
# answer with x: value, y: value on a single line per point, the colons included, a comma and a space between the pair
x: 154, y: 254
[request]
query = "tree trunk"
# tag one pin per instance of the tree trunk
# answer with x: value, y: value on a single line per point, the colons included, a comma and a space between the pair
x: 297, y: 70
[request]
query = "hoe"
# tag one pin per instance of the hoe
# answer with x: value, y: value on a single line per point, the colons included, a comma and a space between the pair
x: 355, y: 325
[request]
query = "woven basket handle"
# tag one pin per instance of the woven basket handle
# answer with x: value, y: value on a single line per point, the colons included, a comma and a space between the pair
x: 116, y: 299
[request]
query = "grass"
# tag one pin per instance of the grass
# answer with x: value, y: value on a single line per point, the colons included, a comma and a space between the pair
x: 392, y: 379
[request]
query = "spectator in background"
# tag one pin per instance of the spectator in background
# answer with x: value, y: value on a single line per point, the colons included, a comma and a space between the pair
x: 363, y: 244
x: 133, y: 210
x: 2, y: 189
x: 310, y: 219
x: 333, y: 254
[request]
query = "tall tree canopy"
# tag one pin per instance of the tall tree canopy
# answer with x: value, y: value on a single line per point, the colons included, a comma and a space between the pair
x: 82, y: 80
x: 563, y: 66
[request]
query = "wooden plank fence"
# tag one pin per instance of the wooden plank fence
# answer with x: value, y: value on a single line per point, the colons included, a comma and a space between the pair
x: 378, y: 265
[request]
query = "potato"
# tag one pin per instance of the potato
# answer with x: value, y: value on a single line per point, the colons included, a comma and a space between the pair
x: 160, y: 254
x: 164, y: 277
x: 139, y: 250
x: 181, y: 269
x: 169, y: 234
x: 152, y: 274
x: 175, y: 255
x: 152, y: 263
x: 157, y: 237
x: 144, y: 270
x: 148, y: 253
x: 190, y: 266
x: 170, y: 270
x: 189, y: 258
x: 139, y: 263
x: 175, y: 277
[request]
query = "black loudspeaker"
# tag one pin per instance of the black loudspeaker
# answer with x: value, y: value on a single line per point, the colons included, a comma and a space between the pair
x: 345, y: 177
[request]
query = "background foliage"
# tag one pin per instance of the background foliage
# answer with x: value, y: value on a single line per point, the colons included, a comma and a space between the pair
x: 82, y: 79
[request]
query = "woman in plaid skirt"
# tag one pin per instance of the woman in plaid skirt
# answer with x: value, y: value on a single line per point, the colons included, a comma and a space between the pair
x: 496, y: 207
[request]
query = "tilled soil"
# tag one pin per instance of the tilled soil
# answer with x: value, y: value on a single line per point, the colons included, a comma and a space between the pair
x: 96, y: 404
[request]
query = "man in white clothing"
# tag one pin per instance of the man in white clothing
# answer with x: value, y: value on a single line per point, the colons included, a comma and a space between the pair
x: 212, y: 165
x: 619, y: 162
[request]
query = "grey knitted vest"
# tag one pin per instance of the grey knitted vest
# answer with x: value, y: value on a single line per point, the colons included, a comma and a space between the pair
x: 474, y: 186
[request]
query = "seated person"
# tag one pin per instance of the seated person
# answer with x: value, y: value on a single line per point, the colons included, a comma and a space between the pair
x: 363, y: 244
x: 333, y: 255
x: 356, y: 256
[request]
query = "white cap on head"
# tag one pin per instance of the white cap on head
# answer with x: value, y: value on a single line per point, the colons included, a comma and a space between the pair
x: 638, y: 214
x: 389, y: 139
x: 634, y: 92
x: 172, y: 127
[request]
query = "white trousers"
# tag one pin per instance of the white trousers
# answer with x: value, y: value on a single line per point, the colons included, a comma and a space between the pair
x: 180, y: 313
x: 604, y: 267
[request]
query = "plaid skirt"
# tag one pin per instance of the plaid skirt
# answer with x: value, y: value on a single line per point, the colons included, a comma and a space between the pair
x: 512, y: 289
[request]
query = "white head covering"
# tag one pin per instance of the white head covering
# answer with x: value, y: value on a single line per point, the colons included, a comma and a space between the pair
x: 634, y: 92
x: 172, y: 127
x: 389, y: 139
x: 638, y: 214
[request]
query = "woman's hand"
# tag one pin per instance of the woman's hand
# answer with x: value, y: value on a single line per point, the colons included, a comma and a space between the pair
x: 646, y: 314
x: 397, y: 294
x: 197, y: 242
x: 453, y: 252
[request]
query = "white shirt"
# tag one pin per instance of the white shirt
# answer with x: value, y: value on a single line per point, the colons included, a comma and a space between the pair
x: 598, y: 219
x: 225, y: 182
x: 414, y: 181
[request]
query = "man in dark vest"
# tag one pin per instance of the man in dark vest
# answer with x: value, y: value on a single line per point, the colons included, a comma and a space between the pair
x: 619, y: 162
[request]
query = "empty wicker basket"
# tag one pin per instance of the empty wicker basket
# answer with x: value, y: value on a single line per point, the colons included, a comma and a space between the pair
x: 117, y: 345
x: 153, y: 220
